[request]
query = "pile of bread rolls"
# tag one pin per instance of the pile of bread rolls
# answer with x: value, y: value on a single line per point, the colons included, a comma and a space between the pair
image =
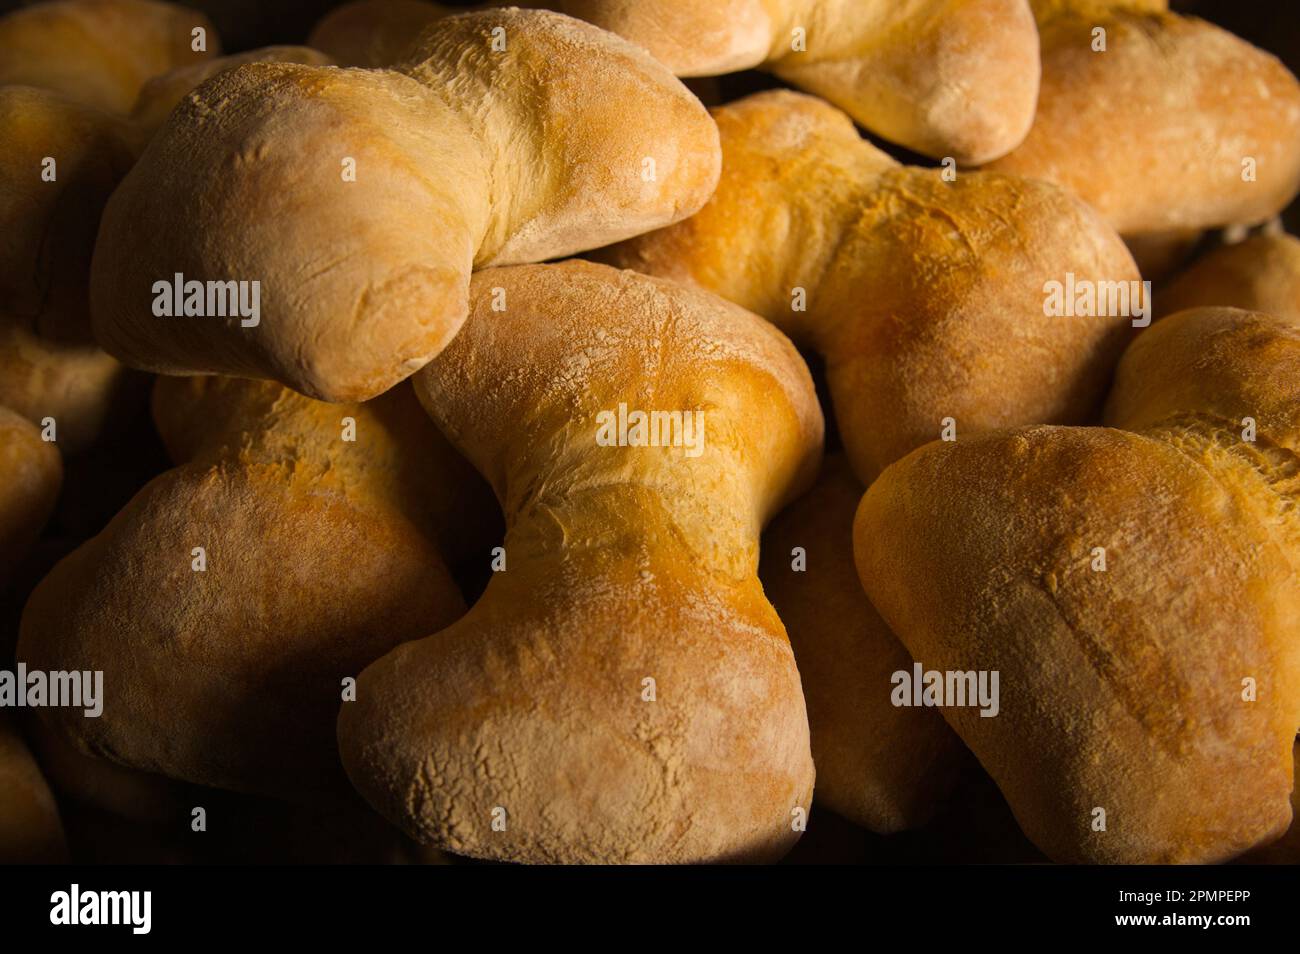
x: 600, y: 432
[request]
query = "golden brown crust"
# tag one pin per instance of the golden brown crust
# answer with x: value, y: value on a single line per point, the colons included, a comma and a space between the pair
x: 1154, y: 131
x: 62, y: 159
x: 1217, y: 365
x: 514, y: 154
x: 61, y: 162
x: 319, y: 557
x: 1260, y: 274
x: 1120, y: 690
x: 883, y: 766
x: 954, y: 78
x: 1123, y: 688
x: 624, y: 564
x: 162, y: 93
x: 946, y: 78
x: 99, y: 52
x: 691, y: 39
x: 1224, y: 385
x: 925, y: 297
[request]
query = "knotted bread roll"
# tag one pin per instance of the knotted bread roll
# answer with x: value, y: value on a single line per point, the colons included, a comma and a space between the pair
x: 622, y: 692
x: 294, y: 543
x: 954, y: 78
x: 925, y: 297
x: 360, y: 200
x: 1136, y: 589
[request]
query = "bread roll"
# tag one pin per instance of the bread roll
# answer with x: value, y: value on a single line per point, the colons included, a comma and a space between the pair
x: 1176, y: 125
x: 517, y: 155
x: 622, y: 692
x: 225, y: 666
x: 100, y: 52
x: 63, y: 158
x: 883, y: 766
x: 60, y: 163
x: 161, y: 94
x: 374, y: 33
x: 1260, y: 274
x: 926, y: 297
x: 953, y: 78
x: 1150, y: 700
x: 88, y: 394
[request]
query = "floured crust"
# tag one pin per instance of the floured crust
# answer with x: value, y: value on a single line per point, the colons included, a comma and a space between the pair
x: 161, y: 94
x: 954, y: 78
x: 320, y: 554
x: 925, y: 297
x: 624, y: 563
x: 1197, y: 102
x: 1125, y: 688
x: 245, y: 182
x: 1206, y: 380
x: 691, y: 39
